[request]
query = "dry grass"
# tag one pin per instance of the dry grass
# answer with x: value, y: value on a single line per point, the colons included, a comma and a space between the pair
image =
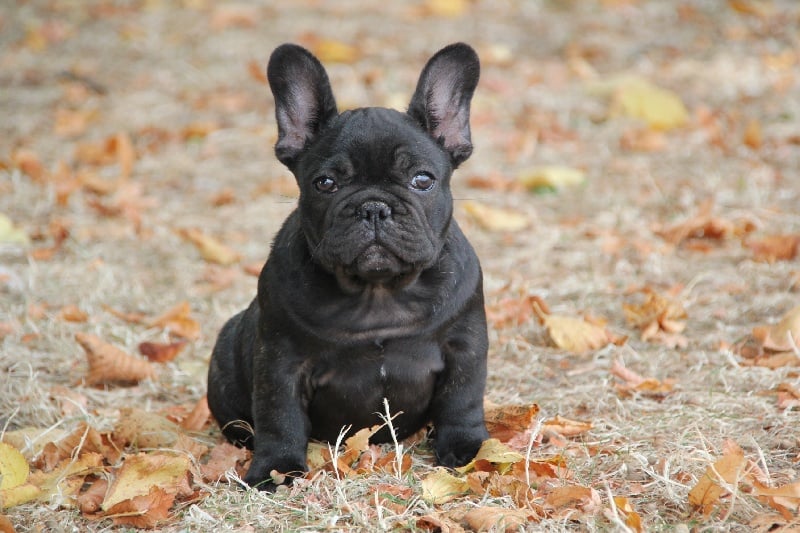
x: 162, y: 66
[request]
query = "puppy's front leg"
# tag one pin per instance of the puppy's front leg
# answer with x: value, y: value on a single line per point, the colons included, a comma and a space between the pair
x: 281, y: 423
x: 457, y: 411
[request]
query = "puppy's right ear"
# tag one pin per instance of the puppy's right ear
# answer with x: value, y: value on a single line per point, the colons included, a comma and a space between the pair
x: 304, y: 101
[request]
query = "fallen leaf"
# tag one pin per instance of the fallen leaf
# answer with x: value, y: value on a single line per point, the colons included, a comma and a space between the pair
x: 510, y: 312
x: 551, y: 178
x: 703, y: 225
x: 773, y: 248
x: 783, y: 336
x: 657, y: 316
x: 571, y: 497
x: 5, y: 525
x: 634, y: 383
x: 178, y: 321
x: 660, y: 109
x: 446, y: 8
x: 72, y: 313
x: 508, y: 421
x: 108, y: 364
x: 143, y: 429
x: 709, y: 488
x: 785, y: 499
x: 233, y: 15
x: 224, y: 457
x: 334, y: 51
x: 144, y: 511
x: 494, y: 218
x: 14, y: 468
x: 438, y: 523
x: 9, y: 233
x: 566, y: 427
x: 495, y: 452
x: 29, y: 164
x: 497, y: 519
x: 67, y: 478
x: 159, y: 352
x: 89, y: 501
x: 440, y: 487
x: 210, y: 248
x: 143, y: 472
x: 753, y: 136
x: 632, y: 518
x: 198, y: 417
x: 573, y: 334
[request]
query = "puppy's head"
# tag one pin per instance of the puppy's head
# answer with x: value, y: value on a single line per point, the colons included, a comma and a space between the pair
x: 375, y: 200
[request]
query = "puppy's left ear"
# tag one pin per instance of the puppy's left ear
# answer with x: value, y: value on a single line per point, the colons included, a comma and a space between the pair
x: 304, y: 102
x: 442, y: 99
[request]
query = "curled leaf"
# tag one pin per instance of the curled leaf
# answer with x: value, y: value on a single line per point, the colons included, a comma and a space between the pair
x: 440, y: 487
x: 783, y: 336
x: 495, y: 218
x: 109, y: 364
x: 210, y: 248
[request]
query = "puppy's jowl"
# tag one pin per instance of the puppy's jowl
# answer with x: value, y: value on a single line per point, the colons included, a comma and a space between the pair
x: 371, y: 290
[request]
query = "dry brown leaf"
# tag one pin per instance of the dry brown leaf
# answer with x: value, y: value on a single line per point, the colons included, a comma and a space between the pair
x: 634, y: 383
x: 571, y: 497
x: 703, y: 225
x: 210, y: 248
x: 178, y: 322
x: 142, y: 472
x: 223, y: 457
x: 728, y: 469
x: 89, y: 501
x: 659, y: 317
x: 753, y: 136
x: 73, y: 313
x: 505, y: 422
x: 510, y: 312
x: 495, y: 218
x: 785, y: 499
x: 783, y: 336
x: 143, y: 429
x: 159, y: 352
x: 632, y: 518
x: 144, y: 511
x: 5, y: 525
x: 29, y: 164
x: 438, y: 523
x: 440, y: 487
x: 83, y: 439
x: 566, y: 427
x: 109, y: 364
x: 574, y: 335
x: 773, y: 248
x: 68, y: 477
x: 498, y: 519
x: 198, y: 417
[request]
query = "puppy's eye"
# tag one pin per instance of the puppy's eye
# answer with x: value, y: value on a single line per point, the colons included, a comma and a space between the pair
x: 326, y: 184
x: 423, y: 182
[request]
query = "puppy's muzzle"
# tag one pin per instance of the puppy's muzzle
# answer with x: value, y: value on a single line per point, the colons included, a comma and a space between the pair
x: 374, y: 212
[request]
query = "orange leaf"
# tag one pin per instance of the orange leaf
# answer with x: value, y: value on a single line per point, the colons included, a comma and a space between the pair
x: 72, y: 313
x: 210, y: 248
x: 632, y: 518
x: 708, y: 490
x: 159, y: 352
x: 773, y: 248
x: 89, y: 501
x: 178, y: 322
x: 333, y: 51
x: 498, y: 519
x: 200, y: 415
x: 107, y: 363
x: 573, y: 334
x: 783, y: 336
x: 28, y: 163
x: 507, y: 421
x: 566, y: 427
x: 145, y: 511
x: 571, y: 497
x: 786, y: 498
x: 223, y: 457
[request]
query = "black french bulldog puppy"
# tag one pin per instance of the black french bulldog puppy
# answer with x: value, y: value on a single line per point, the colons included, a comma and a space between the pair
x: 371, y: 290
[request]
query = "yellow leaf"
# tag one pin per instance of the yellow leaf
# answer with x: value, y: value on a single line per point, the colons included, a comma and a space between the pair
x: 441, y: 487
x: 783, y: 336
x: 706, y: 493
x: 332, y: 51
x: 660, y: 108
x: 494, y: 218
x: 210, y: 248
x: 10, y: 233
x: 494, y: 451
x: 141, y: 473
x: 572, y: 334
x: 19, y: 495
x: 446, y: 8
x: 551, y: 177
x: 14, y: 468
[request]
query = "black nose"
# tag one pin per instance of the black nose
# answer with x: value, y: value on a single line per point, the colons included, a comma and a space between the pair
x: 374, y: 211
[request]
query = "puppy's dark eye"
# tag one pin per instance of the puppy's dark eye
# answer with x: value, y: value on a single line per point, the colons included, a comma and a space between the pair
x: 423, y: 182
x: 326, y: 184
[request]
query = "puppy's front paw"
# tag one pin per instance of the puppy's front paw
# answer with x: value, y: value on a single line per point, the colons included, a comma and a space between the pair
x: 260, y: 474
x: 457, y: 446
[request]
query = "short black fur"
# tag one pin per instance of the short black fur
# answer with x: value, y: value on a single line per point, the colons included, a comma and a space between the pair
x: 371, y: 290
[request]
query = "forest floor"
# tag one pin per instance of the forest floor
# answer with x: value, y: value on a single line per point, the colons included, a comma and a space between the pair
x: 665, y: 138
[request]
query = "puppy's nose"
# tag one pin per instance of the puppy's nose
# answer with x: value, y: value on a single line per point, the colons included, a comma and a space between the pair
x: 374, y: 211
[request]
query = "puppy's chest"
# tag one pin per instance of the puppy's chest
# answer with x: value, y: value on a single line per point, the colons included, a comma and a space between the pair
x: 359, y: 378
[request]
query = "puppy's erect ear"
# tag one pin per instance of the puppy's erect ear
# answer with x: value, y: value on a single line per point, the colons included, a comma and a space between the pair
x: 303, y: 99
x: 441, y: 102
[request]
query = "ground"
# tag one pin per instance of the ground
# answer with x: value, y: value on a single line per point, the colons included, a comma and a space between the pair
x: 124, y: 123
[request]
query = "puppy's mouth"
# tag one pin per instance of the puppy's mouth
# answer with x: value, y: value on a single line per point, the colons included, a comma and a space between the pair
x: 376, y: 266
